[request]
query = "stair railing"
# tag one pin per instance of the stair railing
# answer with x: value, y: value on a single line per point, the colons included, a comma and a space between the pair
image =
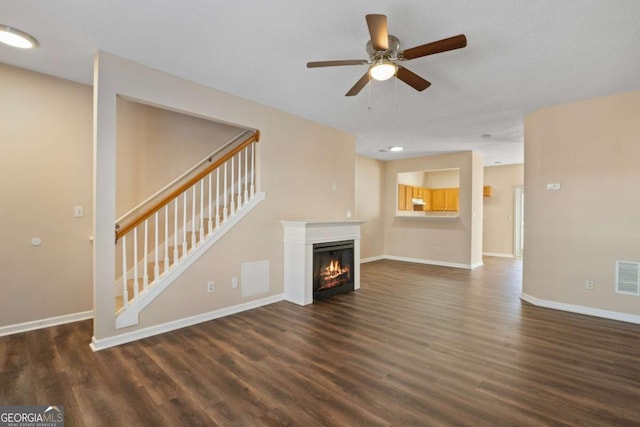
x: 195, y: 204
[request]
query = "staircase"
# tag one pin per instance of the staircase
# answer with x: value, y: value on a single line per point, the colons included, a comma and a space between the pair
x: 159, y: 239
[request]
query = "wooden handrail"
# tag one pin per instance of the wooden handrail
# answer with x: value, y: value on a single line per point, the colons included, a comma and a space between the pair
x: 121, y: 231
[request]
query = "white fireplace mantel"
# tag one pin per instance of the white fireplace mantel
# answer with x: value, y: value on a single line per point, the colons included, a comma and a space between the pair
x: 299, y: 237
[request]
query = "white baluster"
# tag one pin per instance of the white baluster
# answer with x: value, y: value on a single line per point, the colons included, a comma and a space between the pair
x: 145, y: 274
x: 202, y: 209
x: 218, y: 197
x: 210, y: 224
x: 156, y: 266
x: 246, y: 174
x: 125, y: 291
x: 233, y: 203
x: 240, y: 202
x: 175, y: 231
x: 184, y: 223
x: 253, y: 168
x: 224, y: 206
x: 135, y: 264
x: 193, y: 217
x: 166, y: 238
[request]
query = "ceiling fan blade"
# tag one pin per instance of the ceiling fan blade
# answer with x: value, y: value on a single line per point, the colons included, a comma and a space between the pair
x: 359, y: 85
x: 317, y: 64
x: 378, y: 30
x: 451, y: 43
x: 412, y: 79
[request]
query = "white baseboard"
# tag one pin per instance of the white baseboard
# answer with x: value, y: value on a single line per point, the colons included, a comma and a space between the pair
x: 45, y: 323
x: 580, y: 309
x: 432, y: 262
x: 101, y: 344
x: 498, y: 255
x: 371, y: 259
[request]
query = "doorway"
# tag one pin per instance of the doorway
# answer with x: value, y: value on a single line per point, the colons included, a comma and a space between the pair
x: 518, y: 223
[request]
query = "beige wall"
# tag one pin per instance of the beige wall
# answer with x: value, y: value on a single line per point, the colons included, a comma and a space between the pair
x: 439, y: 241
x: 449, y: 178
x: 155, y: 146
x: 591, y: 148
x: 45, y: 170
x: 299, y: 161
x: 370, y: 205
x: 498, y: 209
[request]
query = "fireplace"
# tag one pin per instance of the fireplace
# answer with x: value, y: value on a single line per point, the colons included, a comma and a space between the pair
x: 301, y: 239
x: 333, y: 271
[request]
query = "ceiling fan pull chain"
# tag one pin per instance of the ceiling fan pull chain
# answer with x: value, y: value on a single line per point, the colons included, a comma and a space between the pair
x: 395, y: 90
x: 369, y: 92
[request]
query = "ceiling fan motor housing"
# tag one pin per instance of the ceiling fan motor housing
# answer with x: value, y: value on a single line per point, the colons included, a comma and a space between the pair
x: 391, y: 53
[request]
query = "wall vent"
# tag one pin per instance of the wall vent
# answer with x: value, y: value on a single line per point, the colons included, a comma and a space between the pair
x: 628, y: 277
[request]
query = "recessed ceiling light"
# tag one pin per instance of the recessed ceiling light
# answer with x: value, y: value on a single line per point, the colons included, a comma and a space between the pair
x: 396, y: 148
x: 497, y: 163
x: 16, y: 38
x: 486, y: 135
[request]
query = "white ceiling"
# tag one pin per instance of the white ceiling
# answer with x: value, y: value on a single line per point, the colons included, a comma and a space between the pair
x: 521, y: 55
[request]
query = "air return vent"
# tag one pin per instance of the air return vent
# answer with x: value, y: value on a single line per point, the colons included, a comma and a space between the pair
x: 628, y: 277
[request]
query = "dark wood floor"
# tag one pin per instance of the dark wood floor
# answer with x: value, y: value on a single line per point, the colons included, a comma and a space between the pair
x: 416, y: 346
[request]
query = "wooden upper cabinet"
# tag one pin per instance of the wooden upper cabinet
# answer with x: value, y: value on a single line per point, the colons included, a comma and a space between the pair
x: 426, y: 196
x: 445, y: 199
x: 402, y: 203
x: 437, y: 199
x: 408, y: 196
x: 451, y: 199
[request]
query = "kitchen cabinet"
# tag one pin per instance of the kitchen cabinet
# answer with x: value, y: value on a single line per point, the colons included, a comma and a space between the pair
x: 445, y: 199
x: 402, y: 202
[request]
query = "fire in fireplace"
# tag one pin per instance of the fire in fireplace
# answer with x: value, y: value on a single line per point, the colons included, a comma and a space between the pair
x: 332, y: 269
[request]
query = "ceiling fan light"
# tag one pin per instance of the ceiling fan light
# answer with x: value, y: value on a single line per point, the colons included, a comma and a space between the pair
x: 16, y: 38
x: 382, y: 70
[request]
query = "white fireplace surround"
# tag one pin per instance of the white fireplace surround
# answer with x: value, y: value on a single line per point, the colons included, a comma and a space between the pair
x: 299, y: 237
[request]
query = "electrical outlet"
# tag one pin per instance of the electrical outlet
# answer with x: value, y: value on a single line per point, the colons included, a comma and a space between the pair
x: 78, y: 211
x: 210, y: 287
x: 589, y: 285
x: 234, y: 282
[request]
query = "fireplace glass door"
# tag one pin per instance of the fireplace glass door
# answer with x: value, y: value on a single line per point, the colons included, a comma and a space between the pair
x: 332, y: 268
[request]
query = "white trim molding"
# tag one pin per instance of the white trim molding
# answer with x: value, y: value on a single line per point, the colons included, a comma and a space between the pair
x: 101, y: 344
x: 45, y: 323
x: 432, y: 262
x: 371, y: 259
x: 580, y: 309
x: 499, y: 255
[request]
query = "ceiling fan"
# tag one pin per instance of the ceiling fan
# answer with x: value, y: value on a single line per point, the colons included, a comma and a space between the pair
x: 384, y: 55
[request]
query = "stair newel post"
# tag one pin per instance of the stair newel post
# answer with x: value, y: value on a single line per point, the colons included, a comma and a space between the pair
x: 233, y: 204
x: 175, y: 230
x: 246, y: 174
x: 145, y: 274
x: 210, y: 222
x: 125, y: 291
x: 166, y: 238
x: 202, y: 209
x: 135, y: 264
x: 193, y: 216
x: 240, y: 202
x: 156, y: 265
x: 184, y: 223
x: 217, y: 197
x: 224, y: 208
x: 253, y: 168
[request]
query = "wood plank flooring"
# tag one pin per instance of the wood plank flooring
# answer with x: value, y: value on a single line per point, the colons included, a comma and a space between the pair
x: 416, y: 346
